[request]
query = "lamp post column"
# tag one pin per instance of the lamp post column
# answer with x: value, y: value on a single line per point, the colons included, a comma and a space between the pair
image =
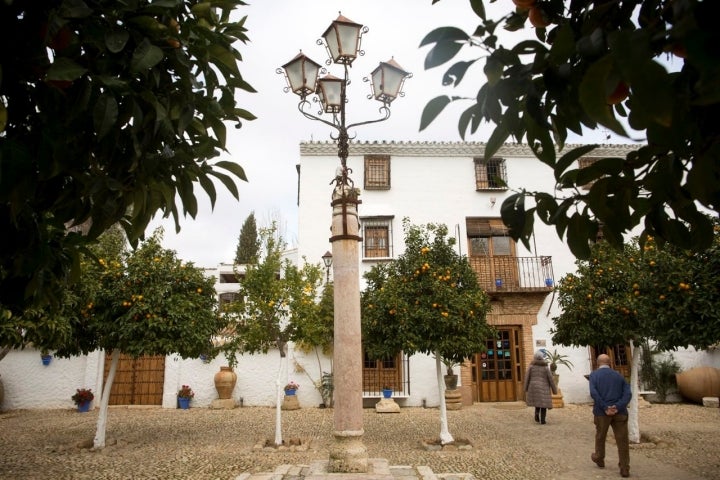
x: 348, y: 453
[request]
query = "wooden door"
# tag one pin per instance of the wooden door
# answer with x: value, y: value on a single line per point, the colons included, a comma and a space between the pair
x: 620, y: 358
x: 497, y: 372
x: 138, y: 381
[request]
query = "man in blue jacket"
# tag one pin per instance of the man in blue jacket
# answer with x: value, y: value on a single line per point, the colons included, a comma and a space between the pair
x: 611, y: 394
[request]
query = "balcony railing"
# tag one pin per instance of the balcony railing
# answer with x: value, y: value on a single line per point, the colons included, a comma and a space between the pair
x: 514, y: 274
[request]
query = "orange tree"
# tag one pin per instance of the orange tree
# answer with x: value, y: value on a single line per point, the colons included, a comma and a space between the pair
x: 643, y: 293
x: 141, y: 302
x: 652, y: 65
x: 277, y: 302
x: 428, y: 301
x: 640, y: 294
x: 110, y: 112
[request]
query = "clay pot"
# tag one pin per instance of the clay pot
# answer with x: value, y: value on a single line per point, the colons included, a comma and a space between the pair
x: 225, y: 381
x: 451, y: 382
x: 699, y: 382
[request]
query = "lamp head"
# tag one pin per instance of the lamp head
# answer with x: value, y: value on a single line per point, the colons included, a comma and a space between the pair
x: 387, y: 81
x: 327, y: 259
x: 342, y: 40
x: 301, y: 74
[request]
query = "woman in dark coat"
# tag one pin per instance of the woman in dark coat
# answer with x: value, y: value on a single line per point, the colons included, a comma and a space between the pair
x: 538, y: 385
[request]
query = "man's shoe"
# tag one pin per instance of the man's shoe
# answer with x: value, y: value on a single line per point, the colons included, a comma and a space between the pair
x: 624, y: 472
x: 598, y: 461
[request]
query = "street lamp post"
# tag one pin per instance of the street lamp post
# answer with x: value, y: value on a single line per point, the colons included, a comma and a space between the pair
x: 327, y: 260
x: 342, y: 42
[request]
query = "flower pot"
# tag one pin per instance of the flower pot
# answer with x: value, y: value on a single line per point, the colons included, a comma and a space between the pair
x: 290, y: 391
x: 387, y: 392
x: 451, y: 381
x: 184, y: 403
x: 46, y: 359
x: 225, y: 381
x: 83, y: 407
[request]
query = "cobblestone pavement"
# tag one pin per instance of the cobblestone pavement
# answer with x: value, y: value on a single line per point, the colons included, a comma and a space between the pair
x: 200, y: 443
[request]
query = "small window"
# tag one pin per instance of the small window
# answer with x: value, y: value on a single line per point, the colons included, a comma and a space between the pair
x: 376, y: 237
x: 377, y: 172
x: 227, y: 298
x: 490, y: 174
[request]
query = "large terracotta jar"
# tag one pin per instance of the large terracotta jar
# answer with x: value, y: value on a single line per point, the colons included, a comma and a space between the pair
x: 699, y: 382
x: 225, y: 381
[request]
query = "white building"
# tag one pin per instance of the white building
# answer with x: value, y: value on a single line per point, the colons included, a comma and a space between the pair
x: 444, y: 183
x: 451, y: 184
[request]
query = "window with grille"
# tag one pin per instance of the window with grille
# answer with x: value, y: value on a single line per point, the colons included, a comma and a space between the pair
x: 377, y: 172
x: 376, y: 237
x: 490, y: 174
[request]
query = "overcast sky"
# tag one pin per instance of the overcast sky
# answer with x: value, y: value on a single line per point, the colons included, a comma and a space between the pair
x: 268, y: 148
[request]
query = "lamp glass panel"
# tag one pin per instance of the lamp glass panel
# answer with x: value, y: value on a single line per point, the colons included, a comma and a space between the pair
x: 349, y: 39
x: 392, y: 81
x: 330, y: 93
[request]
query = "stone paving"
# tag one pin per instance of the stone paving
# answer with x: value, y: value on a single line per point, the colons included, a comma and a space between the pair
x: 201, y: 443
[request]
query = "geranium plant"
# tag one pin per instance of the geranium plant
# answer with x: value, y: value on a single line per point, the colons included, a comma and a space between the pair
x: 185, y: 392
x: 83, y: 395
x: 291, y: 386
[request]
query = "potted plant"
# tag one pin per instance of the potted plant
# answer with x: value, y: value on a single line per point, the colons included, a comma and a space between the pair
x: 291, y: 388
x: 387, y: 391
x: 555, y: 359
x: 451, y: 378
x: 82, y: 398
x: 185, y: 394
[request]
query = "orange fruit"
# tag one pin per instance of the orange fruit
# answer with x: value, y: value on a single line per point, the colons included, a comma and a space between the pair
x: 538, y: 18
x: 619, y: 93
x: 524, y: 4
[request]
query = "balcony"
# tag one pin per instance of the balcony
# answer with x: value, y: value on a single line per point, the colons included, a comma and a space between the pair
x: 506, y: 274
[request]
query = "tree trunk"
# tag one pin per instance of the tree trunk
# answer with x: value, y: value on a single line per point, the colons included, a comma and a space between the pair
x: 633, y: 421
x: 99, y: 441
x: 279, y: 388
x: 445, y: 436
x: 4, y: 351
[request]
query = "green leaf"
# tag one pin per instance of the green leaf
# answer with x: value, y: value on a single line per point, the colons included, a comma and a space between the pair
x: 455, y: 74
x: 497, y: 139
x: 105, y: 114
x: 145, y: 56
x: 433, y: 108
x: 74, y: 9
x: 232, y: 167
x: 115, y: 40
x: 65, y: 69
x: 224, y: 56
x: 444, y: 34
x: 478, y: 7
x: 577, y: 236
x: 512, y: 212
x: 441, y: 53
x: 570, y: 157
x: 593, y: 97
x: 227, y: 181
x: 493, y: 70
